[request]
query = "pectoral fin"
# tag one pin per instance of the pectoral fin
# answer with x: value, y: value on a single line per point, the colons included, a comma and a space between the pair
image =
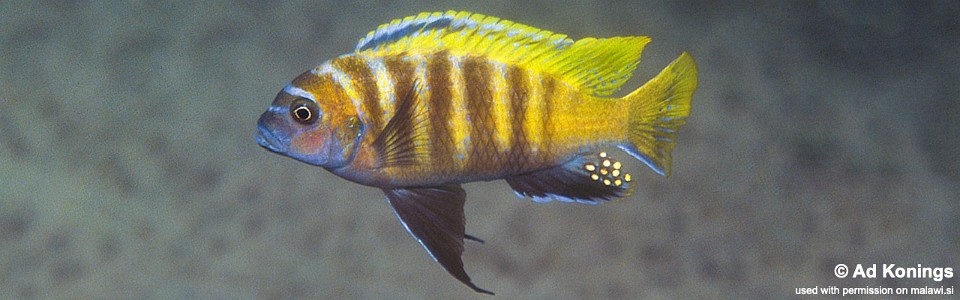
x: 396, y: 145
x: 434, y: 216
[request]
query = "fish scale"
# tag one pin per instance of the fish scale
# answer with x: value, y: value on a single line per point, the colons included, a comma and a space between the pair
x: 432, y: 101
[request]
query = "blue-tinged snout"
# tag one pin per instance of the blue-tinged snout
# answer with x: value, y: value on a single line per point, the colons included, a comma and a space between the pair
x: 318, y: 133
x: 273, y: 132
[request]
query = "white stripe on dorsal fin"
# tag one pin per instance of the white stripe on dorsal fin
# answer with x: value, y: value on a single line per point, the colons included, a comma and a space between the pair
x: 598, y: 66
x: 398, y: 29
x: 417, y: 31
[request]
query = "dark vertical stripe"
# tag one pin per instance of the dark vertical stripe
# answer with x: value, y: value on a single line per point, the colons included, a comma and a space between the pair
x: 402, y: 73
x: 397, y: 143
x: 549, y: 87
x: 476, y: 75
x: 438, y: 79
x: 365, y: 83
x: 312, y: 83
x: 517, y: 84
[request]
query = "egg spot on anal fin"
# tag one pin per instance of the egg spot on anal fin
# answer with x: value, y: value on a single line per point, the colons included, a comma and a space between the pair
x: 608, y: 173
x: 588, y: 178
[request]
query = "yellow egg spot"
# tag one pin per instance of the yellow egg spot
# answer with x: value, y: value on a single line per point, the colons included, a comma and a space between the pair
x: 595, y: 177
x: 606, y: 162
x: 603, y: 171
x: 616, y: 165
x: 626, y: 177
x: 615, y: 173
x: 618, y: 182
x: 590, y: 167
x: 606, y: 181
x: 603, y: 154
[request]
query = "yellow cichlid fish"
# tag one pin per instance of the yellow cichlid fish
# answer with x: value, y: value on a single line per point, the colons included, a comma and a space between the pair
x: 432, y: 101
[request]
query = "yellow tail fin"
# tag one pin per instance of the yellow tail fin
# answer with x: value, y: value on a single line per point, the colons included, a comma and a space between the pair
x: 657, y: 109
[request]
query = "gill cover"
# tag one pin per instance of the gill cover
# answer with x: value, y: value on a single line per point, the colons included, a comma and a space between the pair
x: 348, y: 136
x: 312, y: 127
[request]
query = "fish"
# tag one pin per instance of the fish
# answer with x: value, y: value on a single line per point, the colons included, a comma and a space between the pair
x: 429, y: 102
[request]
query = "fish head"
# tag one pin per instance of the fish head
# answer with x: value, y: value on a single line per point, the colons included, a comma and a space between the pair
x: 313, y: 121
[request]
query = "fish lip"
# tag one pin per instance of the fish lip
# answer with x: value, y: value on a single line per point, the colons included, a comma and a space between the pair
x: 270, y: 141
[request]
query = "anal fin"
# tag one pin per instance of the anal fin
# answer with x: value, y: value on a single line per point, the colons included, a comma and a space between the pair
x: 434, y: 216
x: 590, y: 178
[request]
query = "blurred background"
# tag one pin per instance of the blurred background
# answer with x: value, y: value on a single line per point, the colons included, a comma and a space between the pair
x: 822, y: 133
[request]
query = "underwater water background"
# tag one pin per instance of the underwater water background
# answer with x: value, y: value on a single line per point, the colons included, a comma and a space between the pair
x: 821, y: 133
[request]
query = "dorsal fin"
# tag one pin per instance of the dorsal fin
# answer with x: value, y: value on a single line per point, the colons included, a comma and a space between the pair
x: 598, y: 66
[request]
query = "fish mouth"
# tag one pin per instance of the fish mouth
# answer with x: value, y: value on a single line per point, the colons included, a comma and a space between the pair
x: 270, y: 141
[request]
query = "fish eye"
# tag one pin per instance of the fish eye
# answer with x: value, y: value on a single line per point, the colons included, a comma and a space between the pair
x: 304, y: 111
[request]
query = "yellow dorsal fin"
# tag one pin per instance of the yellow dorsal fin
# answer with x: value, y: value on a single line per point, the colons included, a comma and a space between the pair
x: 598, y: 66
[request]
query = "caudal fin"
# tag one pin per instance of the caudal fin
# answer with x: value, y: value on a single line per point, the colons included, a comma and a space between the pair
x: 657, y: 109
